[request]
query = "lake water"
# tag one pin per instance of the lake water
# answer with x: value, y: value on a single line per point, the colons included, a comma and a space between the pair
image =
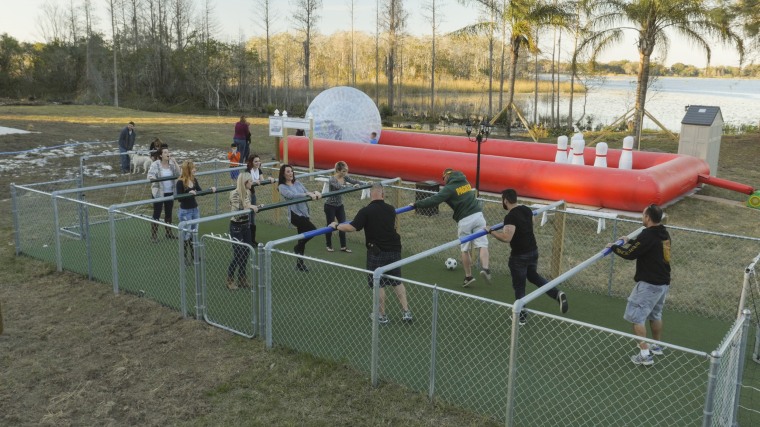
x: 738, y: 99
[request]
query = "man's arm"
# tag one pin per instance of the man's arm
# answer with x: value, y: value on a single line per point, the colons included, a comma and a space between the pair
x: 505, y: 234
x: 434, y: 200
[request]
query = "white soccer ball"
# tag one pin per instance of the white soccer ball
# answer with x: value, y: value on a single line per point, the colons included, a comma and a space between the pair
x: 451, y: 264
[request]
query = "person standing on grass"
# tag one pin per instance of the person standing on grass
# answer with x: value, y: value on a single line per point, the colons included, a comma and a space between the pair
x: 126, y: 143
x: 242, y: 137
x: 164, y: 169
x: 523, y: 258
x: 188, y: 206
x: 298, y: 214
x: 234, y: 158
x: 334, y: 208
x: 240, y: 230
x: 651, y: 250
x: 378, y: 220
x: 461, y: 197
x: 253, y: 167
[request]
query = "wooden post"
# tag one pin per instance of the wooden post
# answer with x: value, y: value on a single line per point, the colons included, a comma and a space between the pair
x: 277, y: 148
x: 559, y: 241
x: 284, y: 145
x: 311, y: 143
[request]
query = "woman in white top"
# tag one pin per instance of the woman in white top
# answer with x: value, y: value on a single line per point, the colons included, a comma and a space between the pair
x: 253, y: 166
x: 163, y: 174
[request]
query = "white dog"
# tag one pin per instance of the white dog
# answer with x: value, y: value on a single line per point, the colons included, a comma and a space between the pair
x: 139, y: 161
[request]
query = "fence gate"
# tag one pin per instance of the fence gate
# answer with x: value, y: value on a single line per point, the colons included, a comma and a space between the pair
x: 229, y: 284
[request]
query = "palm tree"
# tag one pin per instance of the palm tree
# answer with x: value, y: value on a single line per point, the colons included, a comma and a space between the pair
x: 653, y: 21
x: 524, y: 18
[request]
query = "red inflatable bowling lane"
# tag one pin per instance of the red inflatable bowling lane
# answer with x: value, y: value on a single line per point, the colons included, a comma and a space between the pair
x: 527, y: 167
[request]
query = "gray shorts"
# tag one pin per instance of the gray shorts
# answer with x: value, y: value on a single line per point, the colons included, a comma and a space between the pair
x: 645, y: 302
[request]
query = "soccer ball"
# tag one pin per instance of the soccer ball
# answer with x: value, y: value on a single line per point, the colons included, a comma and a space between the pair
x: 451, y: 264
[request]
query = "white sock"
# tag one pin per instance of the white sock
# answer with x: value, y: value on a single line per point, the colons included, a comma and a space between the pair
x: 645, y: 353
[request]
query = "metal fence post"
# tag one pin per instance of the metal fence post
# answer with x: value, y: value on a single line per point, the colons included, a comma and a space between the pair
x: 268, y: 284
x: 182, y: 270
x: 114, y: 261
x: 16, y: 226
x: 88, y: 240
x: 712, y: 380
x: 261, y: 288
x: 374, y: 359
x: 512, y: 371
x: 200, y: 302
x: 612, y: 259
x: 56, y: 229
x: 200, y: 272
x: 740, y: 368
x: 433, y: 343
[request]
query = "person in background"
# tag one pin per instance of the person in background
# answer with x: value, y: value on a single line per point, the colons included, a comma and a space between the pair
x: 242, y: 137
x: 651, y: 250
x: 154, y: 146
x: 253, y: 167
x: 234, y: 158
x: 240, y: 230
x: 462, y: 198
x: 165, y: 168
x: 334, y: 204
x: 126, y: 143
x: 523, y: 258
x: 188, y: 206
x: 378, y: 220
x: 373, y: 138
x: 298, y: 214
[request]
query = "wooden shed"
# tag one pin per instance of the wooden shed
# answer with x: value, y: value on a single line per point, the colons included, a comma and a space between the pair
x: 701, y: 132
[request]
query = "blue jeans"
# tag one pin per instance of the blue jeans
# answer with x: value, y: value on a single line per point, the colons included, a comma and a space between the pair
x: 331, y: 213
x: 525, y: 266
x: 242, y: 147
x: 242, y: 233
x: 187, y: 215
x: 124, y: 158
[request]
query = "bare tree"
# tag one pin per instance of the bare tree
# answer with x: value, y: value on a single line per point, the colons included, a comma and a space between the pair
x: 306, y: 16
x: 115, y: 37
x: 377, y: 52
x: 351, y: 9
x: 266, y: 20
x: 432, y: 7
x: 52, y: 24
x: 394, y: 18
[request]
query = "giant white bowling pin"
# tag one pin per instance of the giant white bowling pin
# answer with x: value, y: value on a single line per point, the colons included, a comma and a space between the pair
x: 626, y: 156
x: 578, y: 146
x: 601, y: 155
x: 576, y: 137
x: 561, y: 156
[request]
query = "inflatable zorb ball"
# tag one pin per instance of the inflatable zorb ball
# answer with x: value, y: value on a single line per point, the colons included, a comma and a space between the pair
x: 345, y: 114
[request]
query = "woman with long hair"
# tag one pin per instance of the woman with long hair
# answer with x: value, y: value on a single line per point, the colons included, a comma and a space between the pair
x: 334, y: 208
x: 188, y: 206
x: 253, y: 167
x: 240, y: 230
x: 161, y: 173
x: 298, y: 213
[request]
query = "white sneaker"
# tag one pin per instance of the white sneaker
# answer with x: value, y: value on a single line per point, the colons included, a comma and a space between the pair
x: 638, y: 359
x: 407, y: 317
x: 486, y: 273
x: 656, y: 349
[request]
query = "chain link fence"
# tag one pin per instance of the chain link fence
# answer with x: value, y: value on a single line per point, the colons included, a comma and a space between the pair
x: 459, y: 347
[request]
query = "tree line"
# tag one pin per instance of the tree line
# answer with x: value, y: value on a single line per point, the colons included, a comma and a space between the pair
x: 167, y: 54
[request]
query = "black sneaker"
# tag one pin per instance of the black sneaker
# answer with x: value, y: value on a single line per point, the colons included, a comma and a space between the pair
x: 468, y: 281
x: 523, y: 318
x: 562, y: 298
x: 486, y: 273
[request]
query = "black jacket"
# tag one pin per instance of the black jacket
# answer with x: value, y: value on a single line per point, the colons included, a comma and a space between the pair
x: 651, y: 250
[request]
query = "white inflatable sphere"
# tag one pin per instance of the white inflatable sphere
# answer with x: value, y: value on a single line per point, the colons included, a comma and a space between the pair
x: 344, y: 113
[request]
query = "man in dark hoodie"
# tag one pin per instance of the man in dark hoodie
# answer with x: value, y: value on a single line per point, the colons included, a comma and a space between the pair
x: 461, y: 197
x: 651, y: 250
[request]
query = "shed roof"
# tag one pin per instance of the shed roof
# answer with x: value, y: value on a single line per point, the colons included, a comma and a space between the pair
x: 701, y: 115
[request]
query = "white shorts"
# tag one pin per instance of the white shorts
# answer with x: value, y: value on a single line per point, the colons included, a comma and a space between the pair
x: 472, y: 224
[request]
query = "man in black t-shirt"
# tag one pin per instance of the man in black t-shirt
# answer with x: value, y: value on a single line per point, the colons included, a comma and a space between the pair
x: 378, y: 220
x: 523, y: 259
x: 651, y: 250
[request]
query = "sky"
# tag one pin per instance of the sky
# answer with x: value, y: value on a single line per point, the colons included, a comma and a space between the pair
x: 238, y: 17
